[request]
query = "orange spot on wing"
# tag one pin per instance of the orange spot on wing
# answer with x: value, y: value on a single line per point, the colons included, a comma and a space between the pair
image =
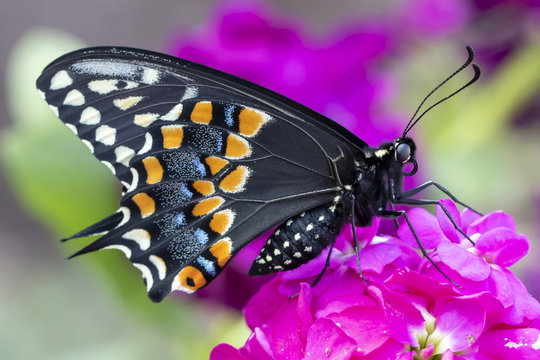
x: 237, y: 147
x: 215, y: 164
x: 203, y: 187
x: 251, y: 121
x: 172, y: 136
x: 154, y: 170
x: 206, y: 206
x: 202, y: 112
x: 222, y: 251
x: 191, y: 278
x: 145, y: 203
x: 222, y: 221
x: 235, y: 180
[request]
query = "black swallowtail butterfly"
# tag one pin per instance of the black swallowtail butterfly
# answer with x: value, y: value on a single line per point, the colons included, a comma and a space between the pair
x: 209, y: 161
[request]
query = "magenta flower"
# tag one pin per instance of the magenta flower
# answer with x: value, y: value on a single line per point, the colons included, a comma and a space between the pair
x: 408, y: 310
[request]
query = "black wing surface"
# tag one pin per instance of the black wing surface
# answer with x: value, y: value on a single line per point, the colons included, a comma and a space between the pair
x: 208, y: 161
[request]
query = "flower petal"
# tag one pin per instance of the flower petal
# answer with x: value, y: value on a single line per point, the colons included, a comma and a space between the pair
x: 492, y: 221
x: 467, y: 264
x: 401, y: 315
x: 502, y: 246
x: 262, y: 307
x: 425, y: 226
x: 327, y: 341
x: 366, y: 325
x: 525, y: 307
x: 516, y: 344
x: 225, y: 352
x: 289, y: 326
x: 459, y: 323
x: 444, y: 222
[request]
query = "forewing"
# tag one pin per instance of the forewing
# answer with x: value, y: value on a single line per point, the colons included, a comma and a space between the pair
x: 207, y: 161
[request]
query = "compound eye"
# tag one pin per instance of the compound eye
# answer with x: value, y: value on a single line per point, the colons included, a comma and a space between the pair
x: 403, y: 153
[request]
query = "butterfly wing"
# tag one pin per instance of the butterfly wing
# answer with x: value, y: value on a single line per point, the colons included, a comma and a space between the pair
x: 207, y: 161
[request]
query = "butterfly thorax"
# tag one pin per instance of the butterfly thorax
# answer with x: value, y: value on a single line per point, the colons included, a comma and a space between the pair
x: 380, y: 178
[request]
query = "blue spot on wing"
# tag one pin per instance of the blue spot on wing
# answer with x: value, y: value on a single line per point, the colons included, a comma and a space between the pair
x: 229, y: 109
x: 207, y: 265
x: 201, y: 236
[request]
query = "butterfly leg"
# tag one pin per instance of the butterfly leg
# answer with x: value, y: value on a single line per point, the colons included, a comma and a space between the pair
x: 356, y: 243
x: 396, y: 223
x: 436, y: 202
x: 394, y: 214
x: 416, y: 190
x: 326, y: 264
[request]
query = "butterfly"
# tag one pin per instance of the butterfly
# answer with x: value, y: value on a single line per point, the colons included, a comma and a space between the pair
x: 208, y: 161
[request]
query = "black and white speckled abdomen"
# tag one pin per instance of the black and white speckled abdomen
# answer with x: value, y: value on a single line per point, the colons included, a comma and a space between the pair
x: 300, y: 239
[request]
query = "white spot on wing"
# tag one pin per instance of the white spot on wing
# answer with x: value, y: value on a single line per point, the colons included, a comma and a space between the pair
x: 128, y: 102
x: 103, y: 87
x: 160, y: 265
x: 135, y: 180
x: 146, y: 274
x: 74, y: 98
x: 124, y: 155
x: 191, y: 92
x: 145, y: 120
x: 54, y: 109
x: 72, y: 128
x: 90, y: 116
x: 60, y: 80
x: 88, y: 145
x: 122, y: 248
x: 109, y: 165
x: 147, y: 144
x: 127, y: 214
x: 140, y: 236
x: 174, y: 113
x: 106, y: 135
x: 150, y: 76
x: 41, y: 93
x: 107, y: 68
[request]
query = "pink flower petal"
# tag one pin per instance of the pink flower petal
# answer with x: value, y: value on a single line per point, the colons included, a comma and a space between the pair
x: 426, y: 352
x: 426, y: 227
x: 327, y: 341
x: 262, y: 307
x: 459, y: 324
x: 502, y: 246
x: 391, y: 350
x: 401, y: 315
x: 469, y: 265
x: 468, y: 217
x: 515, y: 344
x: 289, y: 327
x: 225, y: 352
x: 492, y: 221
x: 366, y: 325
x: 257, y: 347
x: 525, y: 307
x: 444, y: 222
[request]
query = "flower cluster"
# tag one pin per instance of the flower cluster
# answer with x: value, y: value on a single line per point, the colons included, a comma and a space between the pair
x: 407, y: 309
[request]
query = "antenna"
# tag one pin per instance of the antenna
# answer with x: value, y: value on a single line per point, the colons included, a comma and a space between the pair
x: 470, y: 58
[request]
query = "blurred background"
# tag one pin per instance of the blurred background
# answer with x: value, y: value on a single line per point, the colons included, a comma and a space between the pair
x: 363, y: 63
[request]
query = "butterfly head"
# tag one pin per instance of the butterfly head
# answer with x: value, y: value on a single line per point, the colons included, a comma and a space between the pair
x: 404, y: 150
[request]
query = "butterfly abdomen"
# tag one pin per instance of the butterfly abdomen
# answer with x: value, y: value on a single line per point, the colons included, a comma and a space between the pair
x: 300, y: 239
